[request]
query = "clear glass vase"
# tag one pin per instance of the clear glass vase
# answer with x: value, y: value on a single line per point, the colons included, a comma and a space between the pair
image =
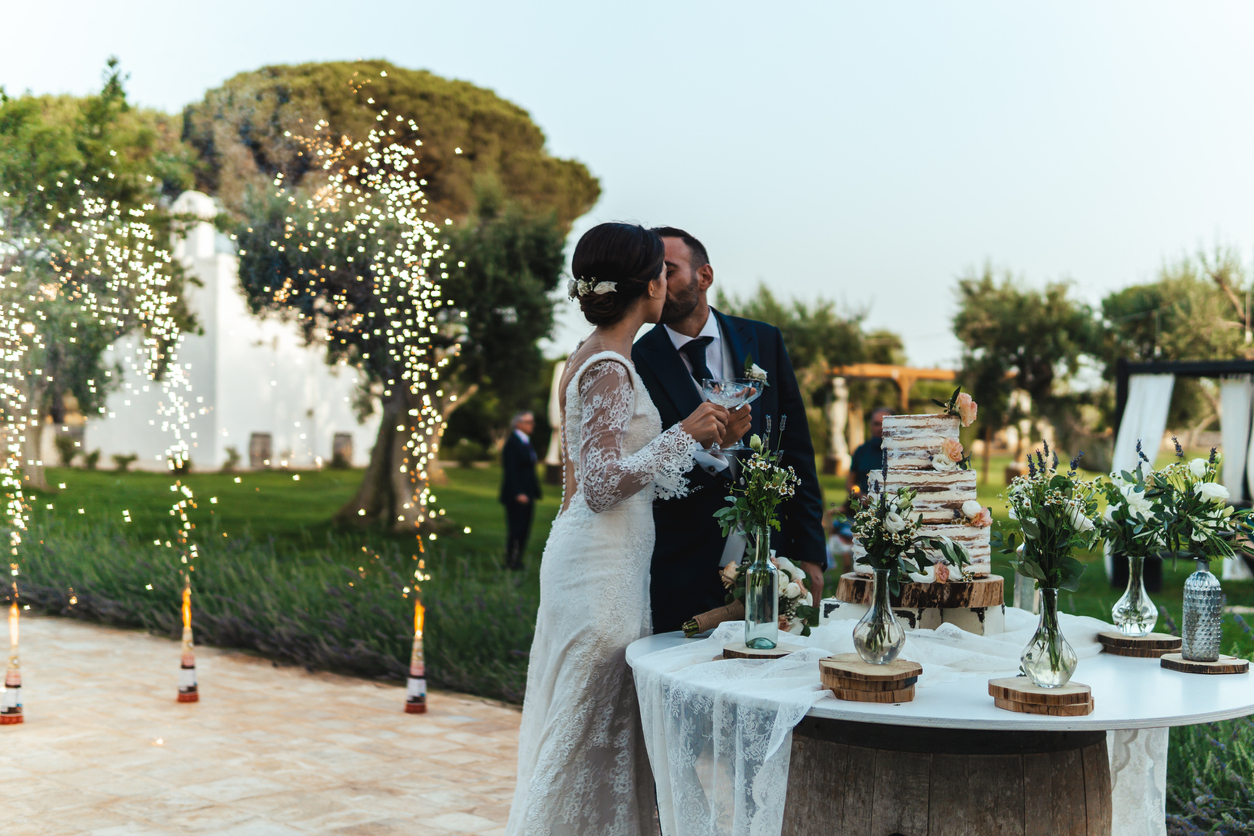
x: 761, y: 594
x: 1203, y: 615
x: 1135, y: 614
x: 1048, y: 660
x: 877, y: 636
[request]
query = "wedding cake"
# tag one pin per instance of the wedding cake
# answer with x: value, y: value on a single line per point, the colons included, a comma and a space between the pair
x: 923, y: 453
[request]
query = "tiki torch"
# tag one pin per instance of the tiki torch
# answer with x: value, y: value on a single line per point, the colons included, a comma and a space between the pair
x: 11, y: 697
x: 187, y: 675
x: 416, y: 694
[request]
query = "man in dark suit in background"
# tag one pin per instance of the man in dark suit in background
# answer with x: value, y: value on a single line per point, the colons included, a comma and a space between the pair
x: 519, y: 487
x: 693, y: 342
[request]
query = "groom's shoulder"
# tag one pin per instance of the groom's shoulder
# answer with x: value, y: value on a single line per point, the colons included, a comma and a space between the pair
x: 761, y: 329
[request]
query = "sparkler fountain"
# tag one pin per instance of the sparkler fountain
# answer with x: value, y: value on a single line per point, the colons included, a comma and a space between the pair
x: 187, y: 674
x: 11, y: 698
x: 416, y: 692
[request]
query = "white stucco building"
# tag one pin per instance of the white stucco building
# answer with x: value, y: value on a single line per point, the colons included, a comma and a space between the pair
x: 254, y: 381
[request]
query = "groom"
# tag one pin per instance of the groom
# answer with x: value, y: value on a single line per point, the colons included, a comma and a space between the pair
x: 691, y: 343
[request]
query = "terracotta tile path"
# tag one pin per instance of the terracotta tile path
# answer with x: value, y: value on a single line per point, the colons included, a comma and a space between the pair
x: 106, y: 750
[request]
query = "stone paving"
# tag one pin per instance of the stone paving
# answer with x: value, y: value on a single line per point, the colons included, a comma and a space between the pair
x: 105, y: 749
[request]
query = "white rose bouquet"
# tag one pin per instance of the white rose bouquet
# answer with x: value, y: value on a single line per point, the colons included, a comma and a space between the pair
x: 1130, y: 523
x: 1054, y: 513
x: 889, y: 531
x: 1195, y: 517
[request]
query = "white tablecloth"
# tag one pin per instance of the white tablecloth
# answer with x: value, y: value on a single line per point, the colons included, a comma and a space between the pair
x: 719, y: 733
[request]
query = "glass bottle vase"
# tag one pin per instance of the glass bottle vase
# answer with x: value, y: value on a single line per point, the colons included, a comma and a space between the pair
x: 761, y: 594
x: 1135, y: 614
x: 1203, y: 615
x: 878, y: 637
x: 1048, y: 660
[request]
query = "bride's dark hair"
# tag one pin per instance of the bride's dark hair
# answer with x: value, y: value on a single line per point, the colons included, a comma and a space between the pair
x: 628, y: 255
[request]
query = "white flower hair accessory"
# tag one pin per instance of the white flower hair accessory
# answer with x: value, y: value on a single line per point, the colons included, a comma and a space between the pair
x: 582, y: 287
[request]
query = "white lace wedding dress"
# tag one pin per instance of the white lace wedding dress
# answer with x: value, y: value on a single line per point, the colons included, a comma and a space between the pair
x: 582, y: 766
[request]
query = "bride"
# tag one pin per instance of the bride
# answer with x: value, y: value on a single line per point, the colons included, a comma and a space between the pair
x: 582, y: 766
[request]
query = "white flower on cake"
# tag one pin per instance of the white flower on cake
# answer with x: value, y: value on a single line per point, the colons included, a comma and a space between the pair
x: 943, y: 464
x: 970, y: 508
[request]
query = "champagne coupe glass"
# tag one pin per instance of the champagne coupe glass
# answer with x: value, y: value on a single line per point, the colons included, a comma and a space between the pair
x: 732, y: 393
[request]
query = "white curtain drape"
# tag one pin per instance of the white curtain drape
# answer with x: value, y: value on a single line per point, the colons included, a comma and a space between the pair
x: 1144, y: 418
x: 1236, y: 399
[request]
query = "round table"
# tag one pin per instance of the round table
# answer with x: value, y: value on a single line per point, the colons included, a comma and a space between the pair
x: 948, y: 722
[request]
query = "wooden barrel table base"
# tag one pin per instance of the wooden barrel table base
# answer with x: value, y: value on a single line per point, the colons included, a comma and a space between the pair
x: 1151, y: 646
x: 850, y: 678
x: 855, y: 779
x: 1225, y: 664
x: 1017, y: 693
x: 740, y: 650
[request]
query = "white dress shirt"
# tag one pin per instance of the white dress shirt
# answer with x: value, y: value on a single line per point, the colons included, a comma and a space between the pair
x: 717, y: 353
x: 717, y: 358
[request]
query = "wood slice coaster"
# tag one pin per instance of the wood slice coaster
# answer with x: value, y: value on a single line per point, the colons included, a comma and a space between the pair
x: 1017, y: 693
x: 740, y: 650
x: 850, y: 678
x: 856, y: 695
x: 1078, y: 710
x: 974, y: 594
x: 1226, y: 664
x: 1151, y: 646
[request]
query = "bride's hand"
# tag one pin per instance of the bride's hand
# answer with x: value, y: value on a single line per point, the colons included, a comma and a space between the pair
x: 706, y: 423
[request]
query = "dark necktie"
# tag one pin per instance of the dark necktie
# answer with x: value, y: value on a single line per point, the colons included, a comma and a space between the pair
x: 695, y: 350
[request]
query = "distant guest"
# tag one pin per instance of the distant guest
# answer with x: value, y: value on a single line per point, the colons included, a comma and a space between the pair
x: 519, y: 487
x: 869, y: 456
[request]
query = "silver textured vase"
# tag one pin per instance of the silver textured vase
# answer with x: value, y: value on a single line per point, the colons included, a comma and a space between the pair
x: 1135, y: 614
x: 877, y: 636
x: 1203, y: 615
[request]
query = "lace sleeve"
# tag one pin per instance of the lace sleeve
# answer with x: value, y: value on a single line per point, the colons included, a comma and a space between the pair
x: 608, y: 476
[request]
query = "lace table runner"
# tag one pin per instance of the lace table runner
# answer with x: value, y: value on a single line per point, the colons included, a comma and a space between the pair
x: 719, y: 734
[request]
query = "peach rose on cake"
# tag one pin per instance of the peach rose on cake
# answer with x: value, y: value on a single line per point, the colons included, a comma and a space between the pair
x: 952, y: 449
x: 966, y: 409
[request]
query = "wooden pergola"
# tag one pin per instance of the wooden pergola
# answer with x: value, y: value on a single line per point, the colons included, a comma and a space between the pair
x: 903, y: 376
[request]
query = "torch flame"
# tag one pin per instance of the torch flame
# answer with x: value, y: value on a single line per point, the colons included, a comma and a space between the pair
x: 13, y: 624
x: 187, y: 606
x: 419, y: 616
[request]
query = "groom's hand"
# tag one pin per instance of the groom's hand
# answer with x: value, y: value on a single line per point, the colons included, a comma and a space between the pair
x: 737, y: 425
x: 815, y: 574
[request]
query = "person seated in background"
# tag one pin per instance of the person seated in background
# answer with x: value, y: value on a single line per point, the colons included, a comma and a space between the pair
x: 869, y: 456
x: 519, y: 487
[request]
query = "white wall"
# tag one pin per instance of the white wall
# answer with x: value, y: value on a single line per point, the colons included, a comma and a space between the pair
x: 247, y: 375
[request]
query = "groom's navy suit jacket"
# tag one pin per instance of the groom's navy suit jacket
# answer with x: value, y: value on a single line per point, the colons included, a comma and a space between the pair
x: 685, y: 576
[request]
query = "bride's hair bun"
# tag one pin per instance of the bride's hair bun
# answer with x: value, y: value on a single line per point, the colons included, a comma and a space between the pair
x: 626, y: 255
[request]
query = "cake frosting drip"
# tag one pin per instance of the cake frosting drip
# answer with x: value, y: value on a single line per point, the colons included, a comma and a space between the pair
x: 910, y: 443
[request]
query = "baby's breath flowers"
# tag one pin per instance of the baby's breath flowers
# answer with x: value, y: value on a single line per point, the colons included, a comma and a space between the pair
x: 1053, y: 513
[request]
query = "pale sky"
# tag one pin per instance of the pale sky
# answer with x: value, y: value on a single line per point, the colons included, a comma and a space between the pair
x: 864, y: 152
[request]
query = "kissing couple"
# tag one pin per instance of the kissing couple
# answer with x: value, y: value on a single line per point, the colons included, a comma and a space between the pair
x: 635, y: 548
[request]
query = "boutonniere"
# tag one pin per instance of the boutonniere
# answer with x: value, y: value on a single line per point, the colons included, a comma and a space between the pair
x: 755, y: 372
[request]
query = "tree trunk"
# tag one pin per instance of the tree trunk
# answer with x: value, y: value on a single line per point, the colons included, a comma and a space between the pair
x: 31, y: 433
x: 392, y: 482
